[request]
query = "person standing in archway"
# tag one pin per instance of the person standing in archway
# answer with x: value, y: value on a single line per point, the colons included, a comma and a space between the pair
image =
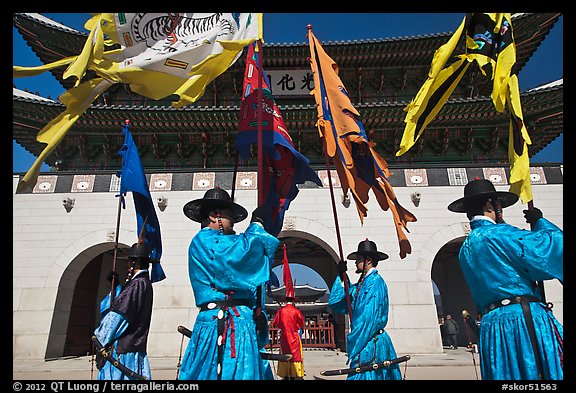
x: 367, y: 342
x: 290, y: 320
x: 520, y: 339
x: 451, y: 330
x: 472, y: 331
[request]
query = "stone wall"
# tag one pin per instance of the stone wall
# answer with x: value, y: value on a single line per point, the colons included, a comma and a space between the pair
x: 51, y: 245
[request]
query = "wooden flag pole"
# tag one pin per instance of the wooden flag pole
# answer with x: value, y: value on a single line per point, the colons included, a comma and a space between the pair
x: 335, y: 214
x: 260, y: 136
x: 117, y: 234
x: 539, y: 284
x: 234, y: 174
x: 260, y: 157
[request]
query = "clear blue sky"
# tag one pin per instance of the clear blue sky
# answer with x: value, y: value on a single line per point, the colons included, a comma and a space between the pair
x: 545, y: 66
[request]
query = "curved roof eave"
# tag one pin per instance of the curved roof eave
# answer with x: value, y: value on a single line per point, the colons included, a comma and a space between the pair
x: 24, y: 96
x: 50, y: 22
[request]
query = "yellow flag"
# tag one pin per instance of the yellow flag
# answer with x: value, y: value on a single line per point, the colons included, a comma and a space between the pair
x: 429, y: 102
x: 77, y: 100
x: 518, y: 141
x: 489, y: 43
x: 434, y: 92
x: 160, y: 54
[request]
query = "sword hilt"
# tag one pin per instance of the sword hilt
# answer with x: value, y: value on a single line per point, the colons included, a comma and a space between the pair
x: 184, y: 331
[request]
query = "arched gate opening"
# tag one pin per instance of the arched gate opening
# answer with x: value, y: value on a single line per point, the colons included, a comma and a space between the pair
x: 454, y: 293
x: 77, y: 310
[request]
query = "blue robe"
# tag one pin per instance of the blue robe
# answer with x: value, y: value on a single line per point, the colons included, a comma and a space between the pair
x: 112, y: 327
x: 236, y: 265
x: 365, y: 344
x: 105, y: 303
x: 501, y: 261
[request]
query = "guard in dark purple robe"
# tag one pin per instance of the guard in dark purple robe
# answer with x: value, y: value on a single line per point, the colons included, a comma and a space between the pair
x: 123, y: 331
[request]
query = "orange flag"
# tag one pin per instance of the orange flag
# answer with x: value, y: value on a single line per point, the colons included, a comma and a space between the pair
x: 360, y: 168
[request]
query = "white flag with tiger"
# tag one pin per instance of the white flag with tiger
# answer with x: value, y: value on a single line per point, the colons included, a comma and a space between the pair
x: 156, y: 54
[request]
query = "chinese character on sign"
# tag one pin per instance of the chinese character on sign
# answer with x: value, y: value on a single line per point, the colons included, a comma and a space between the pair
x: 307, y: 81
x: 287, y: 83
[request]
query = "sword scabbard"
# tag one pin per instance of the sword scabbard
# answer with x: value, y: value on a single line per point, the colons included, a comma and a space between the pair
x: 109, y: 358
x: 365, y: 367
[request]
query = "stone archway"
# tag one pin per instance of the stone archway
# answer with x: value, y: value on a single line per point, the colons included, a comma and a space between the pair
x: 80, y: 278
x: 311, y: 251
x: 441, y: 245
x: 308, y: 250
x: 454, y: 291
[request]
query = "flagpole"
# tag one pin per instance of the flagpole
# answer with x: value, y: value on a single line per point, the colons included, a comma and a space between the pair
x: 260, y: 156
x: 117, y: 234
x: 539, y: 284
x: 335, y: 214
x: 234, y: 176
x: 260, y: 137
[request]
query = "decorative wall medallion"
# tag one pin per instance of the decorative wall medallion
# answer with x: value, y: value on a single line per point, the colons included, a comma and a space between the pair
x: 160, y: 182
x: 416, y: 177
x: 83, y: 183
x: 114, y: 183
x: 537, y: 175
x: 247, y: 181
x: 323, y: 175
x: 496, y: 175
x: 289, y: 223
x: 203, y: 181
x: 457, y: 176
x: 45, y: 184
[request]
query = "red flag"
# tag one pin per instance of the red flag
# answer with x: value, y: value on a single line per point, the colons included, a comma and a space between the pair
x: 284, y: 166
x: 287, y: 276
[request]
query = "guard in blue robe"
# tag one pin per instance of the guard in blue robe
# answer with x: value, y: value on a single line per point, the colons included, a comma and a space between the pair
x: 228, y: 272
x: 367, y: 342
x: 125, y: 324
x: 520, y: 339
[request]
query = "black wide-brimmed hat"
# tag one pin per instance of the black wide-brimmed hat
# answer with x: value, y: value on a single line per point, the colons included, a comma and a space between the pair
x: 479, y: 190
x: 139, y: 251
x: 368, y: 247
x: 214, y: 199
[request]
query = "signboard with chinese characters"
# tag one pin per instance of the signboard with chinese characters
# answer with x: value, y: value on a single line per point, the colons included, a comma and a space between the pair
x: 291, y: 82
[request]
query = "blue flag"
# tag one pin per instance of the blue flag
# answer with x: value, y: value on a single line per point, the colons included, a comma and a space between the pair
x: 133, y: 179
